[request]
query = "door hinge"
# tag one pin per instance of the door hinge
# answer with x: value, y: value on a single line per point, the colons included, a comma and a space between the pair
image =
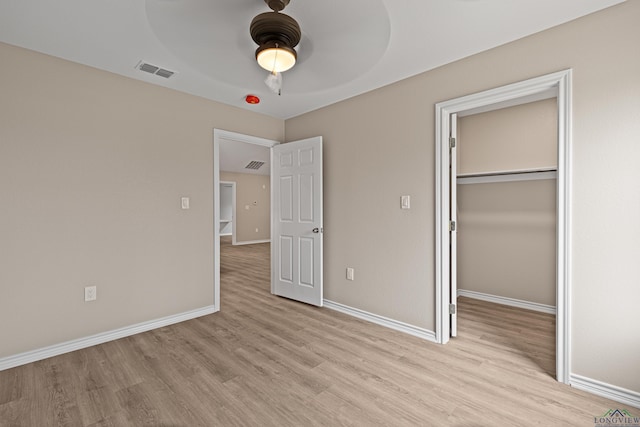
x: 452, y: 142
x: 452, y: 309
x: 452, y: 226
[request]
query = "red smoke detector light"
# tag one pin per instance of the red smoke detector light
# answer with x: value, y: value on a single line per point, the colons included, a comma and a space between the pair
x: 252, y: 99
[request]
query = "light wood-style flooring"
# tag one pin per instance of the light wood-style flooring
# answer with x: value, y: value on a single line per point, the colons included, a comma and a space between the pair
x: 268, y: 361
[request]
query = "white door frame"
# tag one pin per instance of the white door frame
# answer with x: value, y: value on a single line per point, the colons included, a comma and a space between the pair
x: 453, y: 236
x: 548, y: 86
x: 219, y: 135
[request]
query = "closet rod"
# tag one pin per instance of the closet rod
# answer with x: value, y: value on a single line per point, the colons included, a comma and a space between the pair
x: 508, y: 176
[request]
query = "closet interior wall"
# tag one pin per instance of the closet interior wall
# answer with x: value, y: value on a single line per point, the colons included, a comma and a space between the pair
x: 507, y: 224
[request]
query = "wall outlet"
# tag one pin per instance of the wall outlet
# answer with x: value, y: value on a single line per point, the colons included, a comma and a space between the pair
x: 257, y: 229
x: 350, y: 273
x: 90, y: 293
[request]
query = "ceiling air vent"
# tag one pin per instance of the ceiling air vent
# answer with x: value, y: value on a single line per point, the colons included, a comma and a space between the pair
x: 153, y: 69
x: 254, y: 164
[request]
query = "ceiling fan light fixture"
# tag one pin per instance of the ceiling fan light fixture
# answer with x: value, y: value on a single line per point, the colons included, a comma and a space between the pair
x: 276, y: 35
x: 276, y: 58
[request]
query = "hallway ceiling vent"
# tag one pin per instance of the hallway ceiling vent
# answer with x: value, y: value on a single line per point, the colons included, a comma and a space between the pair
x: 153, y: 69
x: 254, y: 164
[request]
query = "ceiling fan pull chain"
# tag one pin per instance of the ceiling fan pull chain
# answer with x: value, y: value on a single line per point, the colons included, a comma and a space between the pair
x: 274, y: 82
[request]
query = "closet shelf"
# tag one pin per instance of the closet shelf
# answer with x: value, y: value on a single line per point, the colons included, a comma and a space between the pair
x: 507, y: 176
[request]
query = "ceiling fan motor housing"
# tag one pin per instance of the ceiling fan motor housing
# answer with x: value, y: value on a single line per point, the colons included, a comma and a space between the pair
x: 270, y: 28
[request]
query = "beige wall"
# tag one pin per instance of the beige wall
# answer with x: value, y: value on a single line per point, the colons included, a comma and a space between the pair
x: 515, y: 138
x: 253, y: 205
x: 92, y: 168
x: 380, y: 145
x: 507, y: 239
x: 507, y: 230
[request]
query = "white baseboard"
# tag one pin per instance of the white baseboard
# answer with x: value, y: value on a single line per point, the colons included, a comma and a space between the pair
x: 77, y: 344
x: 383, y: 321
x: 508, y: 301
x: 252, y: 242
x: 608, y: 391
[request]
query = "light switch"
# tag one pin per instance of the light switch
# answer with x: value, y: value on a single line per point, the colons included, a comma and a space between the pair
x: 184, y: 202
x: 350, y: 273
x: 405, y: 202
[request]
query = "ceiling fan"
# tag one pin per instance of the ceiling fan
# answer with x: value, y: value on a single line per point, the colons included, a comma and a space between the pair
x: 276, y: 35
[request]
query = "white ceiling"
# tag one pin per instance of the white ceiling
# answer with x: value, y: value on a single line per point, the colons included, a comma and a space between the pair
x: 235, y: 156
x: 348, y: 46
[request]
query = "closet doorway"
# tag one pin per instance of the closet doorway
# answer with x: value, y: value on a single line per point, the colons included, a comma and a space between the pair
x: 557, y: 88
x: 227, y: 194
x: 506, y: 230
x: 506, y: 205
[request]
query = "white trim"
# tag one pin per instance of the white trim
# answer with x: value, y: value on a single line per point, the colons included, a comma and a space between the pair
x: 506, y: 177
x: 216, y: 219
x: 219, y: 135
x: 80, y: 343
x: 619, y: 394
x: 234, y: 213
x: 272, y: 251
x: 252, y: 242
x: 509, y: 171
x: 382, y: 321
x: 563, y: 230
x: 512, y: 302
x: 555, y: 84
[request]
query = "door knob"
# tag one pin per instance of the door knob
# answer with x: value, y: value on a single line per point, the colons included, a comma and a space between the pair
x: 316, y: 230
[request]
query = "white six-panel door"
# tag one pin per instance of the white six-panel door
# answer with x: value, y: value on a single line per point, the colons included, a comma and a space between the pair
x: 296, y: 235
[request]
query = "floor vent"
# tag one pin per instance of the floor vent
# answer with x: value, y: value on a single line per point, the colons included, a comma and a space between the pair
x: 153, y: 69
x: 254, y: 164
